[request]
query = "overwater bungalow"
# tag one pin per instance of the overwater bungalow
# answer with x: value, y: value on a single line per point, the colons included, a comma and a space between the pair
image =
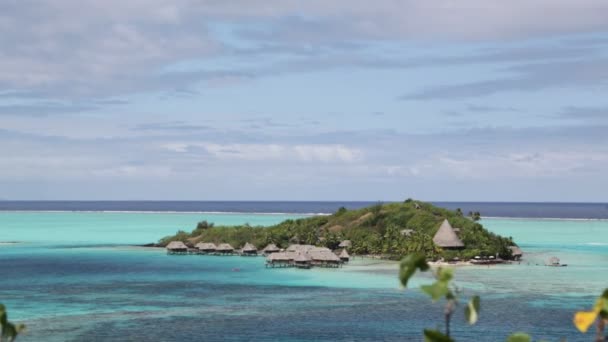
x: 280, y: 259
x: 206, y: 247
x: 271, y: 248
x: 177, y: 247
x: 306, y: 248
x: 446, y: 237
x: 516, y: 252
x: 225, y: 248
x: 305, y: 256
x: 249, y: 250
x: 345, y: 244
x: 554, y: 262
x: 324, y: 259
x: 344, y: 256
x: 302, y: 260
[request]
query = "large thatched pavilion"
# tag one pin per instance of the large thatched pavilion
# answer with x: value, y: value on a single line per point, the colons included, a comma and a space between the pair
x: 446, y: 237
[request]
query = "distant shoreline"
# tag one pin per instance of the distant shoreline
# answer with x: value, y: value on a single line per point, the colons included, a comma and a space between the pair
x: 490, y: 210
x: 172, y: 212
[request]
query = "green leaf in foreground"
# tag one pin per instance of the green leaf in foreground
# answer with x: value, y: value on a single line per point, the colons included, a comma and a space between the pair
x: 438, y: 290
x: 9, y: 330
x: 445, y: 274
x: 471, y: 311
x: 604, y: 305
x: 435, y: 336
x: 409, y: 265
x: 519, y: 337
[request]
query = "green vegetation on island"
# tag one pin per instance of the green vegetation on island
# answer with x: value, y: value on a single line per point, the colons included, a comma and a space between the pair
x: 391, y: 230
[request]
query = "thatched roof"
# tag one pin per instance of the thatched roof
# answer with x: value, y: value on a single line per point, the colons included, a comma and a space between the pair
x: 323, y: 256
x: 446, y: 237
x: 280, y: 256
x: 344, y: 254
x: 271, y: 248
x: 205, y: 246
x: 249, y: 248
x: 302, y: 257
x: 345, y: 244
x: 516, y: 251
x: 176, y: 245
x: 306, y: 248
x: 225, y: 247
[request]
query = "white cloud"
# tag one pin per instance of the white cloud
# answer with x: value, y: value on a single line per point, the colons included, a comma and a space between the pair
x: 509, y: 165
x: 108, y: 47
x: 261, y: 152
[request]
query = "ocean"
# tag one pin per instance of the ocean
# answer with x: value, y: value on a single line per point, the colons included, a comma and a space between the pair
x: 71, y: 273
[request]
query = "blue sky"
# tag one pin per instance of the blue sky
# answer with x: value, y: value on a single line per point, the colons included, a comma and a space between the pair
x: 304, y: 100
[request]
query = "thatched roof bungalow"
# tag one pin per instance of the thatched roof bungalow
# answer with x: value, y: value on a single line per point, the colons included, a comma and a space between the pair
x: 324, y: 259
x: 516, y: 252
x: 225, y: 248
x: 344, y: 256
x: 176, y: 247
x: 271, y: 248
x: 306, y: 248
x: 553, y: 261
x: 280, y: 256
x: 249, y: 249
x: 302, y: 260
x: 446, y: 237
x: 206, y: 247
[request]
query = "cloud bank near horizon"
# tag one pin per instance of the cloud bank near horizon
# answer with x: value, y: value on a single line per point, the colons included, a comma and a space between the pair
x: 441, y: 100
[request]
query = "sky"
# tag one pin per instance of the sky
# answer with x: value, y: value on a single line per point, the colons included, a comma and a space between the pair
x: 468, y: 100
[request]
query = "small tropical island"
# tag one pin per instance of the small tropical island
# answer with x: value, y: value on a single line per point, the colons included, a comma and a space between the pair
x: 385, y: 230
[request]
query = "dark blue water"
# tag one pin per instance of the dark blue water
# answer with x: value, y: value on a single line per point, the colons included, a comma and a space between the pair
x: 488, y: 209
x: 101, y: 295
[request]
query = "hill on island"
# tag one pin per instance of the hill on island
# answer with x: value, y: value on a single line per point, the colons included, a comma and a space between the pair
x: 391, y: 230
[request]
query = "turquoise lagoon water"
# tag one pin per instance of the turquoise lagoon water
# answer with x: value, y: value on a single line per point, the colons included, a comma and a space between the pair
x: 72, y: 276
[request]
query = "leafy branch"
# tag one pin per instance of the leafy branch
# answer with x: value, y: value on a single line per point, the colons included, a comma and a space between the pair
x: 9, y: 331
x: 441, y: 288
x: 599, y: 315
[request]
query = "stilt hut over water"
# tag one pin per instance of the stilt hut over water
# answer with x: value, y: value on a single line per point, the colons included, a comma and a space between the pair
x: 306, y: 248
x: 446, y: 237
x: 177, y: 247
x: 302, y: 261
x: 225, y: 248
x: 271, y: 248
x: 516, y: 252
x: 553, y: 261
x: 344, y: 256
x: 279, y: 259
x: 249, y: 250
x: 206, y: 248
x: 324, y: 259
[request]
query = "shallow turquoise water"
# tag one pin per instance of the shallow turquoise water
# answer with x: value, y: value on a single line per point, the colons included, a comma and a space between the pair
x: 113, y: 227
x: 73, y: 277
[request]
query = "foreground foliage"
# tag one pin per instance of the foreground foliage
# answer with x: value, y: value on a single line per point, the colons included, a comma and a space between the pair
x: 8, y: 330
x: 443, y: 288
x: 392, y: 230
